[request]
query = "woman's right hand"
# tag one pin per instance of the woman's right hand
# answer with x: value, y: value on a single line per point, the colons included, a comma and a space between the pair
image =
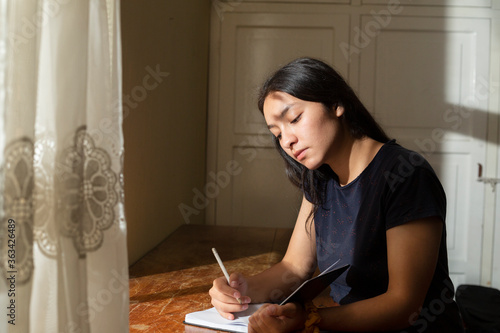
x: 225, y: 297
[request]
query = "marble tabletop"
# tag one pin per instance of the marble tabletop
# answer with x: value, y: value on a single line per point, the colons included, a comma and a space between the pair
x: 174, y: 278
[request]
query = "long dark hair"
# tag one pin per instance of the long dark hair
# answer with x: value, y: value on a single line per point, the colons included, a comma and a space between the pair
x: 314, y: 81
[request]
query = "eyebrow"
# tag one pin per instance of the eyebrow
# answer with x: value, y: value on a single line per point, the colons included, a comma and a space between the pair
x: 282, y: 114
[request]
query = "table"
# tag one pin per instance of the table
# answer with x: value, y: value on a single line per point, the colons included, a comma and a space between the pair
x: 174, y: 278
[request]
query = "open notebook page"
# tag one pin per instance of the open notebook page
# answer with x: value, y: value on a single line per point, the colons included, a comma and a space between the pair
x: 212, y: 319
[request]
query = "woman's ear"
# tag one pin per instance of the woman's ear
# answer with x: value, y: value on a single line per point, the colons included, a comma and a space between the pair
x: 339, y: 112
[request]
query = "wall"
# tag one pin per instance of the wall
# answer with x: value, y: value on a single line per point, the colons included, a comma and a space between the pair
x: 165, y: 69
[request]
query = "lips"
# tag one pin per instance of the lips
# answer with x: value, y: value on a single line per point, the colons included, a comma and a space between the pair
x: 299, y: 154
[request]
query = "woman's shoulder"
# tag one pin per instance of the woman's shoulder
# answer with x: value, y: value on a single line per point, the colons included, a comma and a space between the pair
x: 393, y: 155
x: 403, y: 169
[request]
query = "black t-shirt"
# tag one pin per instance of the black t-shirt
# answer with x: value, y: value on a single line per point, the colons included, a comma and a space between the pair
x: 397, y: 187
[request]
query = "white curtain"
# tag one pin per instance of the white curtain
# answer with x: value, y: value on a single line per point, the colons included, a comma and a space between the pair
x: 62, y: 226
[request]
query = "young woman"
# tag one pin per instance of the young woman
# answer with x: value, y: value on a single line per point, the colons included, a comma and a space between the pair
x: 367, y: 201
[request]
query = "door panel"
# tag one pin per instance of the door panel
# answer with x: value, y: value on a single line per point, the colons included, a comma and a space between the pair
x: 251, y: 47
x: 261, y: 184
x: 422, y: 77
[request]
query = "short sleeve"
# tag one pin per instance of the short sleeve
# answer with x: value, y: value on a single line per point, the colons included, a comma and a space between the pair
x: 414, y: 195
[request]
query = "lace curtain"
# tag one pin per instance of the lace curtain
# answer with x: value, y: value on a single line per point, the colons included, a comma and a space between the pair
x: 63, y: 258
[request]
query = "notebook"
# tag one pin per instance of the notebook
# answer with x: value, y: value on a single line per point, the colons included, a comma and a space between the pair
x: 305, y: 292
x: 212, y: 319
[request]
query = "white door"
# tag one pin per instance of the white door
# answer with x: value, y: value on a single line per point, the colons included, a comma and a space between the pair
x: 424, y: 76
x: 251, y: 46
x: 425, y: 81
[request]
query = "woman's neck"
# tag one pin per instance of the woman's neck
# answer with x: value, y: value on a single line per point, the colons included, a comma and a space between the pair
x: 353, y: 158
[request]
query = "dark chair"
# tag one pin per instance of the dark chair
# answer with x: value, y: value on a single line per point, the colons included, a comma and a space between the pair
x: 480, y: 308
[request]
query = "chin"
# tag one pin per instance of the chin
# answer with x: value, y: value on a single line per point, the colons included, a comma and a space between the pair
x: 311, y: 165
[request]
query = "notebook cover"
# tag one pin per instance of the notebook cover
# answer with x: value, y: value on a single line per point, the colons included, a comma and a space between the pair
x: 313, y: 287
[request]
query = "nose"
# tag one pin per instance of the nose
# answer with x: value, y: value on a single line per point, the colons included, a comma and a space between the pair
x: 288, y: 139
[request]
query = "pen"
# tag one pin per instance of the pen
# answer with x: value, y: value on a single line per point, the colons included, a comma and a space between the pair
x: 223, y: 268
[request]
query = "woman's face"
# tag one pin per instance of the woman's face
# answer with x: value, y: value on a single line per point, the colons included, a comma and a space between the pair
x: 305, y: 130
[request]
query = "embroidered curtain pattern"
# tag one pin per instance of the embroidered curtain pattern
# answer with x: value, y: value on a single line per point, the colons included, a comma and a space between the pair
x: 63, y: 259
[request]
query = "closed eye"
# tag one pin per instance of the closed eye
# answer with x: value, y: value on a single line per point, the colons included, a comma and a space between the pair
x: 296, y: 119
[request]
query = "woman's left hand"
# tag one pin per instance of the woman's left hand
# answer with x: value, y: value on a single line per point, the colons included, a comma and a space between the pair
x: 272, y: 318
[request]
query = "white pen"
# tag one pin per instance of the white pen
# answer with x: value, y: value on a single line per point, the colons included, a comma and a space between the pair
x: 223, y: 268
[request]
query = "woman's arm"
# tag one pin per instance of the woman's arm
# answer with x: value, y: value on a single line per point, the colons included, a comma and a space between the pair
x: 278, y: 281
x: 412, y: 254
x: 412, y: 251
